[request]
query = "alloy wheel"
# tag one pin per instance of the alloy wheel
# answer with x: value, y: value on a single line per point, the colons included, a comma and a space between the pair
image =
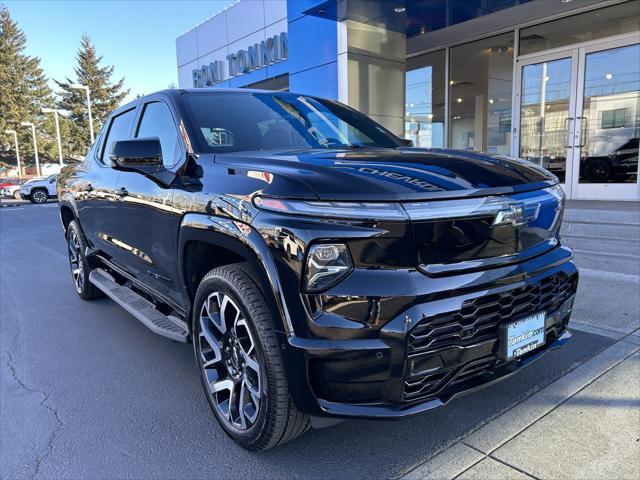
x: 598, y: 172
x: 39, y: 196
x: 229, y: 361
x: 75, y: 261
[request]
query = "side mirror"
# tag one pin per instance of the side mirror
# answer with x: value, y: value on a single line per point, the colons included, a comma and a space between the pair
x: 142, y: 155
x: 406, y: 142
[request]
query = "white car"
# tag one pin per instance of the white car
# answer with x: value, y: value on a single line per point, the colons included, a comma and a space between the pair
x: 11, y: 191
x: 39, y: 190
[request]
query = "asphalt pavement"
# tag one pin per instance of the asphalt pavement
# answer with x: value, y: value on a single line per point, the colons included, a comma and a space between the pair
x: 87, y: 391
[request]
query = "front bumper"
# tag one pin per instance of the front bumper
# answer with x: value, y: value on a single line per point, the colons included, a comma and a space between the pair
x: 445, y: 344
x: 389, y: 411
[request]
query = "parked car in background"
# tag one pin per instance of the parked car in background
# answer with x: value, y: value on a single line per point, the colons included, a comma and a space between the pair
x: 39, y: 190
x: 7, y: 182
x: 319, y: 266
x: 616, y: 166
x: 11, y: 191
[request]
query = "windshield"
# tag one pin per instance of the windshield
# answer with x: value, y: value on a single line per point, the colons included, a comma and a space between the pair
x: 233, y: 122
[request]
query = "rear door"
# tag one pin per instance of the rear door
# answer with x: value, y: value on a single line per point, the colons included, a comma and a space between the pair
x: 96, y: 198
x: 147, y: 221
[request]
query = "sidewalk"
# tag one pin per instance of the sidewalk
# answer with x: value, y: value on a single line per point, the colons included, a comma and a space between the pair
x: 585, y: 425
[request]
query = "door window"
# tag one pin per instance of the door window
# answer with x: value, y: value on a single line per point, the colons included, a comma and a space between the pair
x: 545, y: 114
x: 610, y: 118
x: 158, y: 122
x: 120, y: 129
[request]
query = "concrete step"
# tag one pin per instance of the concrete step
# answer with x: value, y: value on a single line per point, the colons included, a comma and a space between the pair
x: 630, y: 231
x: 603, y: 235
x: 603, y: 245
x: 629, y: 215
x: 619, y: 263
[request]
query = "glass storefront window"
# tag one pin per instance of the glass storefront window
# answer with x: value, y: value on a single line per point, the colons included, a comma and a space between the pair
x: 604, y: 22
x: 424, y: 100
x: 480, y: 82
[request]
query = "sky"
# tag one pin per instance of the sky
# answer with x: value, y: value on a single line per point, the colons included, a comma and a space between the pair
x: 137, y: 37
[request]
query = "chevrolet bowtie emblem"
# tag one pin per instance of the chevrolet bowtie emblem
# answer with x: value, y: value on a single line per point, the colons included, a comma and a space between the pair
x: 518, y: 214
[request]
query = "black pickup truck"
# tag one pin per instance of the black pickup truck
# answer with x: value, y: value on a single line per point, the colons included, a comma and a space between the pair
x: 322, y: 268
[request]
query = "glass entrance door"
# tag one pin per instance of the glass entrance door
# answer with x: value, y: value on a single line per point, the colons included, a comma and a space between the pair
x: 547, y: 104
x: 578, y: 115
x: 608, y: 117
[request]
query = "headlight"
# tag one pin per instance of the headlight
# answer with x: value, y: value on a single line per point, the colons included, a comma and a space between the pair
x: 326, y: 265
x: 558, y: 193
x: 345, y: 210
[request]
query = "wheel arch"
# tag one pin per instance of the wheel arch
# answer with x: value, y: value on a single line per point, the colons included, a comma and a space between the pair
x: 206, y: 242
x: 67, y: 215
x: 68, y: 212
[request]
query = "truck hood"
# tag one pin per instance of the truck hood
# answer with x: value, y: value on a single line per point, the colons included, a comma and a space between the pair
x: 394, y: 174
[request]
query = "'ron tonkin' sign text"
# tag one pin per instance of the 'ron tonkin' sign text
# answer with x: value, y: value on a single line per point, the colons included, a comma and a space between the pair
x: 272, y: 50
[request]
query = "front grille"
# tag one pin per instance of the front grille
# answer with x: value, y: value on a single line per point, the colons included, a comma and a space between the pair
x: 478, y: 320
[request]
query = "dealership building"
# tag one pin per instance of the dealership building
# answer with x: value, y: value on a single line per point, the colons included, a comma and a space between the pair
x: 556, y: 82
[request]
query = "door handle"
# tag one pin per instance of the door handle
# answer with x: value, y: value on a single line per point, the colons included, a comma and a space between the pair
x: 123, y: 192
x: 568, y: 134
x: 583, y: 131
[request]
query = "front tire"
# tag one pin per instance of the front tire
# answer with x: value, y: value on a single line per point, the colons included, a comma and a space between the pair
x: 39, y: 196
x: 241, y: 369
x: 80, y: 268
x: 16, y: 195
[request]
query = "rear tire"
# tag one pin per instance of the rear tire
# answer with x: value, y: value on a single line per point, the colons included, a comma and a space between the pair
x: 237, y: 350
x: 80, y: 268
x: 16, y: 195
x: 597, y: 170
x: 38, y: 196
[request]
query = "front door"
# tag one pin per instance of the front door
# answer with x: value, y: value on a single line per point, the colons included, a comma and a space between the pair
x: 578, y: 116
x: 147, y: 222
x: 96, y: 198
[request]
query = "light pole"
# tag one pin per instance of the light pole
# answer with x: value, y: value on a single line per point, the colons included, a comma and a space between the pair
x: 55, y: 119
x: 15, y: 139
x: 78, y: 86
x: 35, y: 144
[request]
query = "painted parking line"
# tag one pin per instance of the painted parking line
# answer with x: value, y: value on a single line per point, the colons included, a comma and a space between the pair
x: 28, y: 205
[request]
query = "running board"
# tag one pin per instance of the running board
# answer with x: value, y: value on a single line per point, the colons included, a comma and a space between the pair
x: 141, y: 308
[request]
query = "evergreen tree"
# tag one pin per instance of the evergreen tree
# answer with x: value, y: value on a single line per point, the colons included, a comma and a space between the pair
x: 23, y: 88
x: 105, y: 96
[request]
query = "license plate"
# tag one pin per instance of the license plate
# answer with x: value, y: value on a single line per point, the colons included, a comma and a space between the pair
x: 522, y: 336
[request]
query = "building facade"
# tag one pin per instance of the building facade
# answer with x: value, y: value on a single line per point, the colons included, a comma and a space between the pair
x: 556, y: 82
